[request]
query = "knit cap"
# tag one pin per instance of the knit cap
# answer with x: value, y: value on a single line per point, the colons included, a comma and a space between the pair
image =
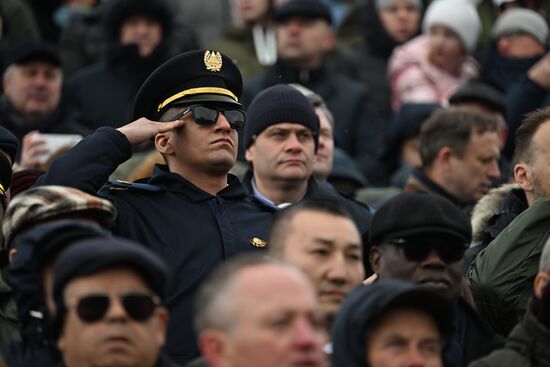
x: 278, y: 104
x: 381, y: 4
x: 45, y: 203
x: 458, y: 15
x: 521, y: 20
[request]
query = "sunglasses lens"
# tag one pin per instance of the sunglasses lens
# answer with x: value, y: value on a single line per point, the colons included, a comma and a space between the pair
x: 451, y: 252
x: 235, y: 118
x: 416, y: 251
x: 139, y: 307
x: 92, y: 308
x: 204, y: 115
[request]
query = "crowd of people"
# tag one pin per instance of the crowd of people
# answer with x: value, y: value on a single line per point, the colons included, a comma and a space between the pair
x: 233, y: 183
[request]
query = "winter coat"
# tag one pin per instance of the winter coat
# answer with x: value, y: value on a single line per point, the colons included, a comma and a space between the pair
x: 418, y: 181
x: 9, y: 322
x: 321, y: 190
x: 357, y: 127
x: 60, y: 121
x: 509, y: 75
x: 528, y: 345
x: 501, y: 276
x: 414, y: 79
x: 348, y: 334
x: 103, y: 94
x: 239, y: 44
x: 192, y: 230
x: 491, y: 215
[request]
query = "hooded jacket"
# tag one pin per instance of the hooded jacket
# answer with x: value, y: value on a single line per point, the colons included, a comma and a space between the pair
x: 103, y: 94
x: 414, y: 79
x: 491, y: 215
x: 38, y: 345
x: 501, y: 276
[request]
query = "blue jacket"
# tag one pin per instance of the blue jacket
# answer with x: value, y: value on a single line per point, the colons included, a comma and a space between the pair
x: 191, y: 229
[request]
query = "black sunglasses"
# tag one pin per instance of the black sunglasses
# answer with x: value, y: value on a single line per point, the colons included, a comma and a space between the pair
x: 207, y: 116
x: 138, y: 306
x: 416, y: 249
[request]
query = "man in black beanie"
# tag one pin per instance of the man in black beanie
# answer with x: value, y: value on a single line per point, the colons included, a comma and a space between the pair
x: 281, y: 138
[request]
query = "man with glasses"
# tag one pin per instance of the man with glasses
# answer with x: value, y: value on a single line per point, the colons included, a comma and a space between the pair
x: 191, y: 211
x: 108, y: 295
x: 421, y: 238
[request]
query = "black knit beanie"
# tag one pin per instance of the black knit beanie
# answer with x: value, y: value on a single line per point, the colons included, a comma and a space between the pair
x: 277, y: 104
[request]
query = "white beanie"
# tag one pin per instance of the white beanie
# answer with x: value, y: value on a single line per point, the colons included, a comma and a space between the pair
x: 458, y: 15
x: 520, y: 20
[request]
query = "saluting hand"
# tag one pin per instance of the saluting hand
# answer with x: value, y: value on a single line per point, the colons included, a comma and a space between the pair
x: 144, y: 129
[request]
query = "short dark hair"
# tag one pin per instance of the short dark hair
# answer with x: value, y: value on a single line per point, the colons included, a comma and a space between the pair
x: 524, y: 134
x: 280, y: 226
x: 452, y: 128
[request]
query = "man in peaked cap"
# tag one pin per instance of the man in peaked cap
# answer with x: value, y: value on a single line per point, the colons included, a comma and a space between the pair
x: 420, y: 238
x: 191, y: 211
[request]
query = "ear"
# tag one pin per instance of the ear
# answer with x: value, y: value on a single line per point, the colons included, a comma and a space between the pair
x: 523, y: 176
x: 329, y: 40
x: 541, y: 280
x: 249, y: 154
x: 375, y: 258
x: 11, y: 254
x: 444, y: 156
x: 214, y: 347
x: 161, y: 319
x: 163, y: 143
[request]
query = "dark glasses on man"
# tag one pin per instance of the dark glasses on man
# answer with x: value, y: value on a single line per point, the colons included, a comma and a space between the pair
x: 416, y: 249
x: 138, y: 306
x: 208, y: 115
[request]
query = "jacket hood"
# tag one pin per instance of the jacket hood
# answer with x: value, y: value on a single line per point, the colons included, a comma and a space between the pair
x: 34, y: 249
x: 117, y: 11
x: 364, y: 306
x: 415, y: 52
x: 489, y: 206
x: 378, y: 40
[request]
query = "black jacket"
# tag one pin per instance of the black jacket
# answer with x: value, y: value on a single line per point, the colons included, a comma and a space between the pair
x: 475, y: 337
x: 191, y: 229
x: 509, y: 75
x: 60, y: 122
x: 103, y: 94
x: 317, y: 190
x: 357, y: 127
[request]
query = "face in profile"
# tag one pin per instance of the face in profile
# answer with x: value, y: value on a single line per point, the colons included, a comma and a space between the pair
x: 110, y: 322
x: 404, y: 337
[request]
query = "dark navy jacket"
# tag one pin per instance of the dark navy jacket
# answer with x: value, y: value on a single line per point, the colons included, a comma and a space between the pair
x: 191, y: 229
x: 318, y: 190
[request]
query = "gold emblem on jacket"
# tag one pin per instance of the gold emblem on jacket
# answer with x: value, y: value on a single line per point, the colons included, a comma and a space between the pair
x: 256, y: 242
x: 213, y: 60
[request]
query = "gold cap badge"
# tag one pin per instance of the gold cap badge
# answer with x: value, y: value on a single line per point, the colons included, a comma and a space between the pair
x: 256, y: 242
x: 213, y: 60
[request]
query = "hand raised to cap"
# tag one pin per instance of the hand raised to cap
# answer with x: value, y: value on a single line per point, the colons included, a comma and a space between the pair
x: 143, y: 129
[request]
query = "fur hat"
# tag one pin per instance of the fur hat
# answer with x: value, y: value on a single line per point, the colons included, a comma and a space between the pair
x: 458, y: 15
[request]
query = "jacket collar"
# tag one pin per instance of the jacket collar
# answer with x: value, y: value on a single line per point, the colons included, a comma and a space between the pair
x: 168, y: 181
x: 435, y: 188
